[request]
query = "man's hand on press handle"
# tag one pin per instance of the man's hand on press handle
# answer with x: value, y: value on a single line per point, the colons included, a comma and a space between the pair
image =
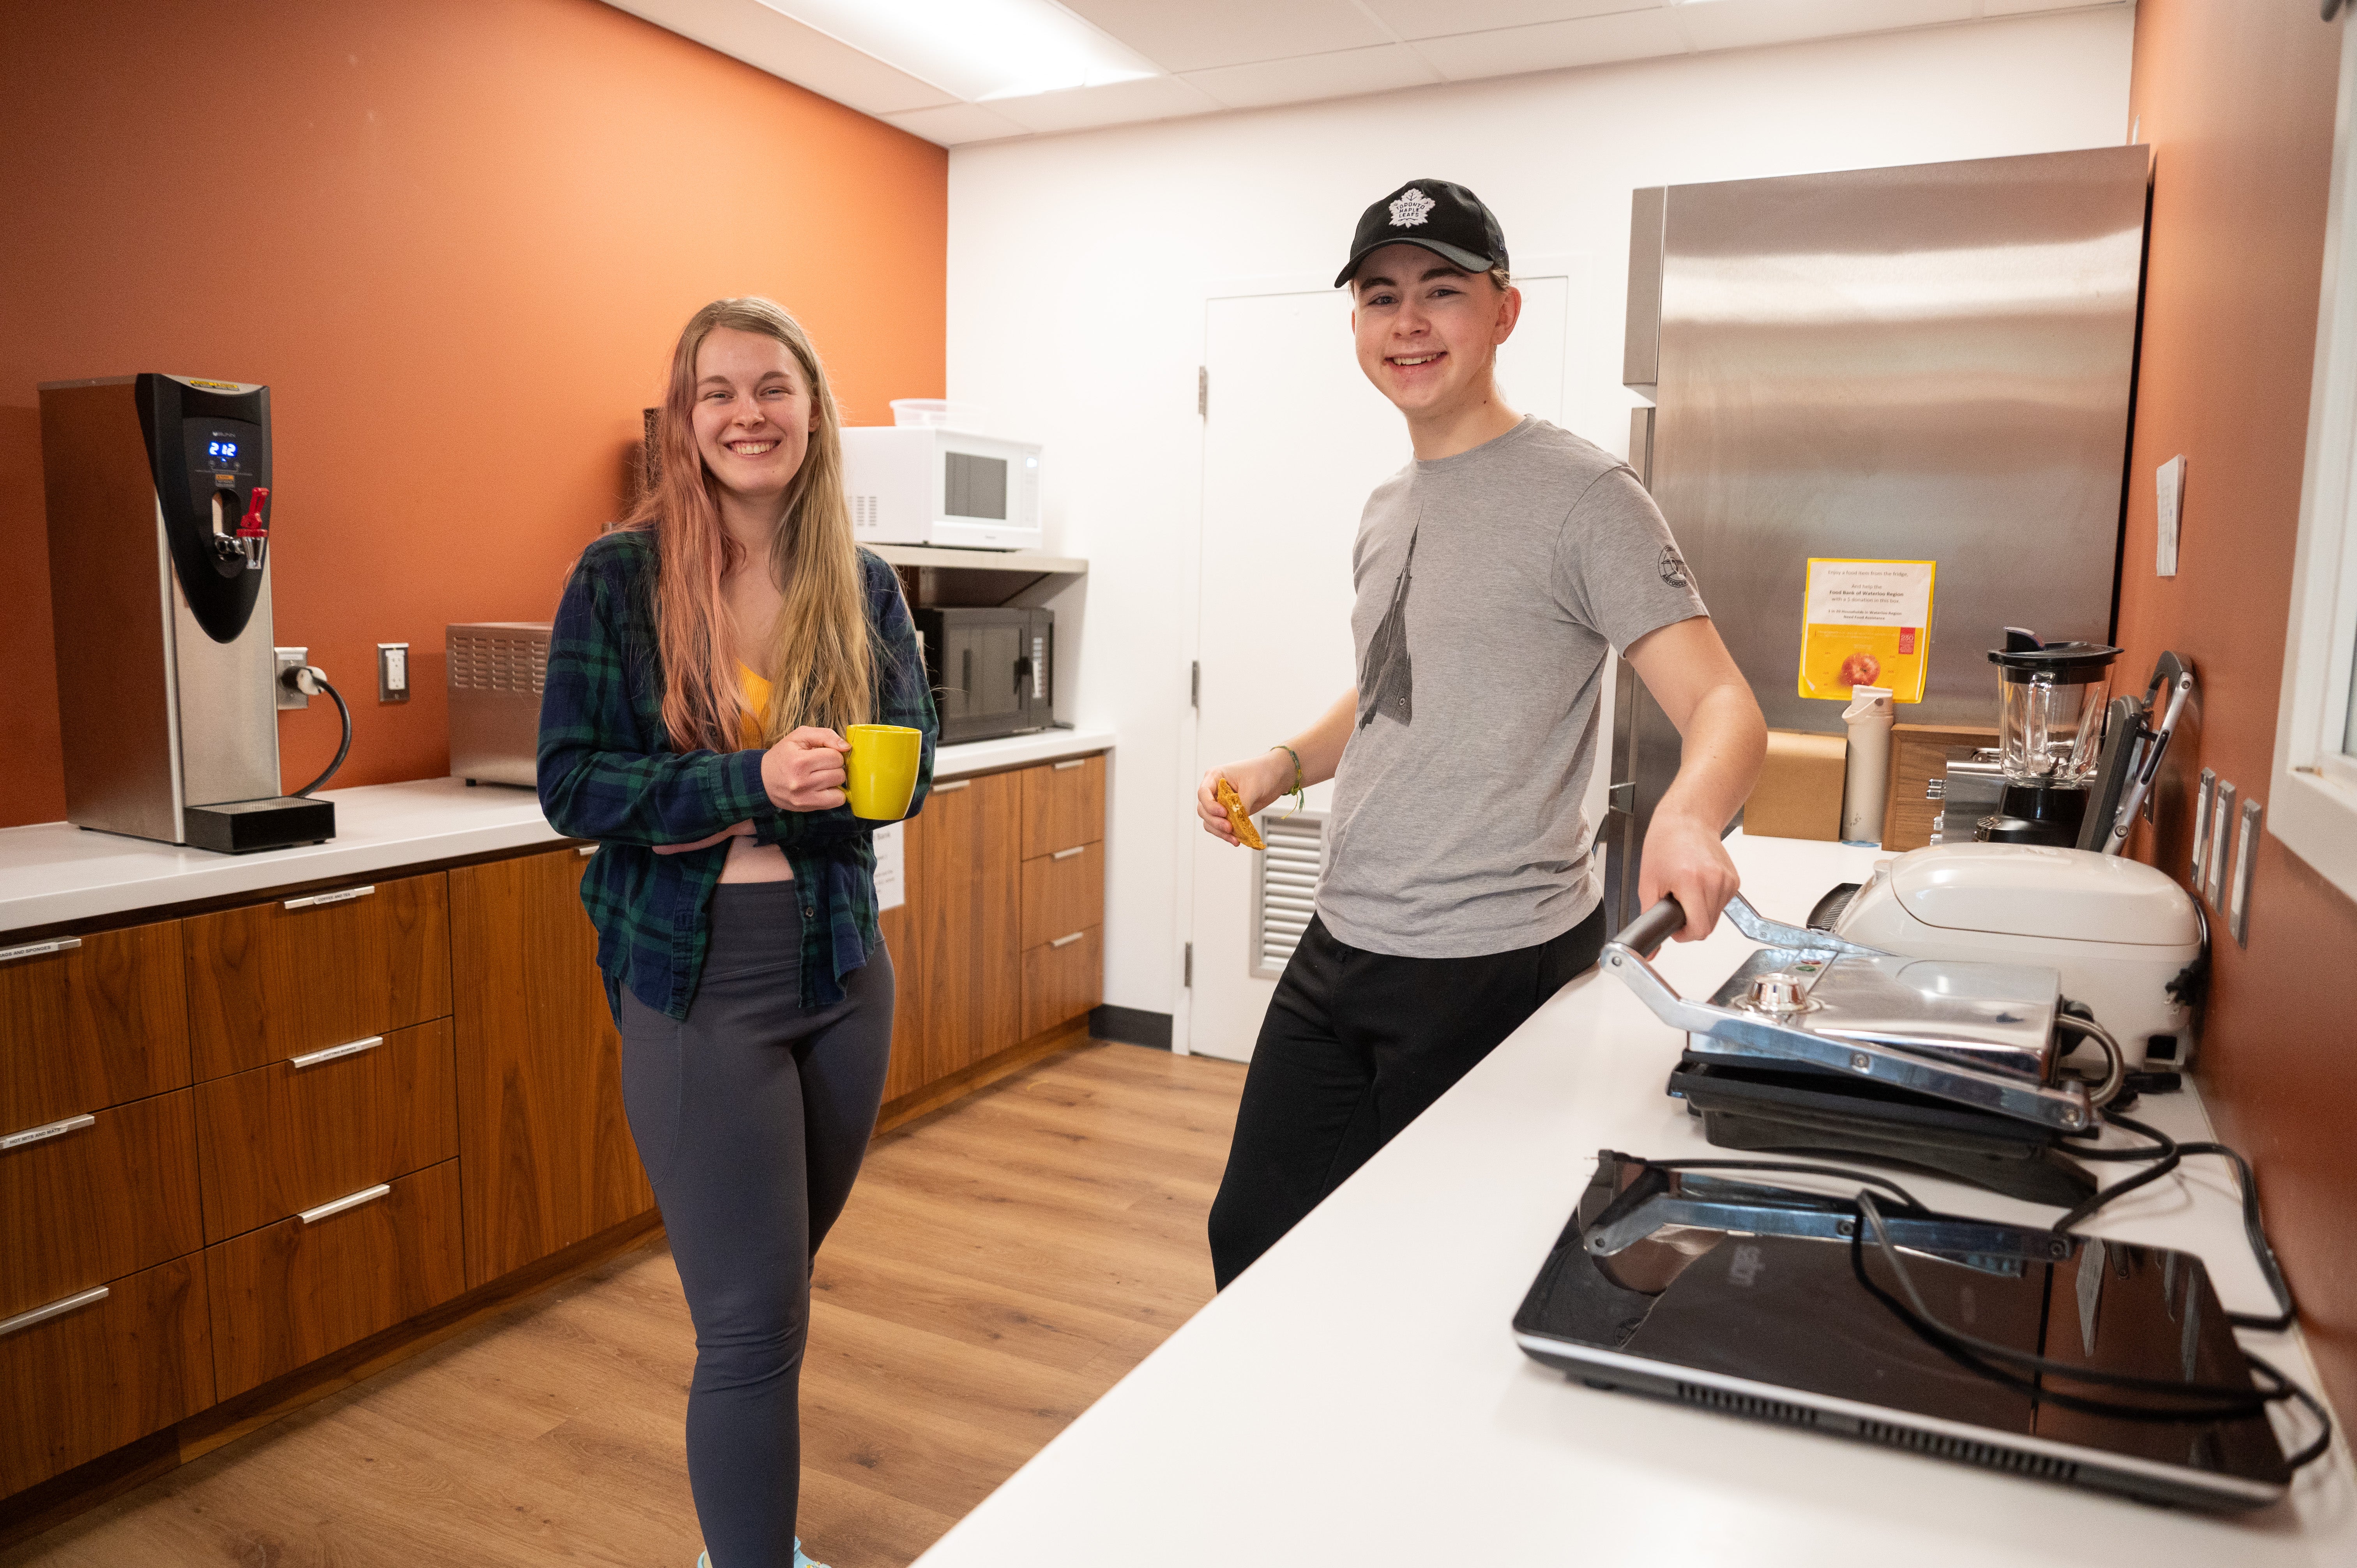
x: 1259, y: 782
x: 1686, y: 860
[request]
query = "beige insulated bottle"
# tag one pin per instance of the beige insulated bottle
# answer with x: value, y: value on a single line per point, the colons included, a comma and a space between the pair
x: 1868, y: 778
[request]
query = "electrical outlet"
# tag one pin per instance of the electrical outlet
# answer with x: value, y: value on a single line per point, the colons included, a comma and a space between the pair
x: 290, y: 659
x: 392, y: 671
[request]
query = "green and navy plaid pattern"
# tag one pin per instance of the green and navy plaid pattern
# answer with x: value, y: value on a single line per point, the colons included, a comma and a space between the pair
x: 607, y: 772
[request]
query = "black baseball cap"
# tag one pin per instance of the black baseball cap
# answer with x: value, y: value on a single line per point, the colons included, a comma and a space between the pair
x: 1439, y: 215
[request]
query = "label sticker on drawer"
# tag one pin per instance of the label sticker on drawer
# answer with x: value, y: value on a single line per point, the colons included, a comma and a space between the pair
x: 891, y: 867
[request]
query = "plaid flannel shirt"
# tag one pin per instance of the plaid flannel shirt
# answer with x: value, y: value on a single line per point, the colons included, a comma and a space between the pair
x: 607, y: 772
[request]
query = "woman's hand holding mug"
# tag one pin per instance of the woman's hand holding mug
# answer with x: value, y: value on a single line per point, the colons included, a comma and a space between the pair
x: 804, y: 772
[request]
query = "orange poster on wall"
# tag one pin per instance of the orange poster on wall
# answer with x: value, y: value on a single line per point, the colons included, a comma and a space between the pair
x: 1866, y: 623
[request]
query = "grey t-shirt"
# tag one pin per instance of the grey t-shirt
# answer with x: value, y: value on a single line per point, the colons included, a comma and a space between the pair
x: 1489, y: 584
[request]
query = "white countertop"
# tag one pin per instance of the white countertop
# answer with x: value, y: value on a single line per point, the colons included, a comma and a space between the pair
x: 52, y: 873
x: 1357, y: 1397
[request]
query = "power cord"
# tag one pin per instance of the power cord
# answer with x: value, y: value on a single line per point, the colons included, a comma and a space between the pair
x: 312, y: 680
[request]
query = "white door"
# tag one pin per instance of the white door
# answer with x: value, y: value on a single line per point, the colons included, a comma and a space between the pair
x: 1294, y: 438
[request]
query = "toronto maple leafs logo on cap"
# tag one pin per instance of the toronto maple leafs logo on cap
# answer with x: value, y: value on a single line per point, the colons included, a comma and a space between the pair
x: 1411, y: 209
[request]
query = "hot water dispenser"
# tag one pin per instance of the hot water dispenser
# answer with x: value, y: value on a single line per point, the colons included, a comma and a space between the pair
x: 158, y: 491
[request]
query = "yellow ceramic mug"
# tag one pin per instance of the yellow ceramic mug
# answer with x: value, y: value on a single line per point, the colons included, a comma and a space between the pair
x: 880, y: 769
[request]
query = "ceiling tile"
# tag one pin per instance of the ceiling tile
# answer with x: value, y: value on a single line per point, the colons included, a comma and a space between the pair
x: 1117, y: 103
x: 1550, y: 46
x: 750, y: 31
x: 1307, y: 77
x: 1436, y: 18
x: 1736, y: 24
x: 957, y: 123
x: 1201, y: 34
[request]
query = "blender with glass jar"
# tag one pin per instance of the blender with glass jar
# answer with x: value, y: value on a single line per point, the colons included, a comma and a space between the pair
x: 2050, y: 725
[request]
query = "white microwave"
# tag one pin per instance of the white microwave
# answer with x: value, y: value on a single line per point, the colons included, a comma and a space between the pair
x: 924, y: 485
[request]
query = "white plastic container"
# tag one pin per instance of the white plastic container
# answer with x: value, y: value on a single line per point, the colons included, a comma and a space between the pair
x: 1867, y: 782
x: 936, y: 414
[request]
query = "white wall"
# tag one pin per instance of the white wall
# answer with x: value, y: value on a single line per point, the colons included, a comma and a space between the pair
x: 1078, y: 265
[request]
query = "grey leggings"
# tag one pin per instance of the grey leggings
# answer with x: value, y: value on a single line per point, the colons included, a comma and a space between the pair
x: 752, y: 1116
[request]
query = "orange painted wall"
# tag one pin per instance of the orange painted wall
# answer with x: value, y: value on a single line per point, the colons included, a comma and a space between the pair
x: 2237, y: 99
x: 457, y: 238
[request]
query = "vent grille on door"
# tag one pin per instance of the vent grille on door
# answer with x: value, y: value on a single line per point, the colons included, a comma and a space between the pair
x: 863, y: 511
x: 1285, y: 887
x: 479, y: 662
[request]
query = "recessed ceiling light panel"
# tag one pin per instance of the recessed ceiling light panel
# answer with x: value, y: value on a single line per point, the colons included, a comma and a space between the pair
x: 979, y: 50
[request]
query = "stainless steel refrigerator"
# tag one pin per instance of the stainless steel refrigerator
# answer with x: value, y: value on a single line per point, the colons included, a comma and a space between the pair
x: 1931, y: 362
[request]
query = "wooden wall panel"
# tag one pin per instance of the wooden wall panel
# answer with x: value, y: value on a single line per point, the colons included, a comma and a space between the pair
x: 99, y: 1203
x: 542, y: 1139
x: 266, y: 982
x: 91, y: 1026
x: 2237, y: 101
x: 83, y: 1384
x: 291, y: 1293
x: 281, y: 1138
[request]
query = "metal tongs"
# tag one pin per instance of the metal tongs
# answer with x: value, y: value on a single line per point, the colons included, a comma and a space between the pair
x: 1980, y: 1035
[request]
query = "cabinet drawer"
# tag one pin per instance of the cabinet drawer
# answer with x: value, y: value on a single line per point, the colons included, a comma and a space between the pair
x: 273, y: 981
x: 289, y: 1137
x: 89, y: 1022
x: 1063, y: 804
x: 1060, y: 983
x: 291, y: 1293
x: 94, y: 1203
x: 90, y: 1379
x: 1063, y: 892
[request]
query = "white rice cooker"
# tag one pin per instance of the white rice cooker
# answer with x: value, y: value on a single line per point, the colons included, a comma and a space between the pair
x: 2129, y: 943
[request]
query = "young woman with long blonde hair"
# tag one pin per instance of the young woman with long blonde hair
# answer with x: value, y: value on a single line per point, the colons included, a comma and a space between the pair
x: 706, y: 662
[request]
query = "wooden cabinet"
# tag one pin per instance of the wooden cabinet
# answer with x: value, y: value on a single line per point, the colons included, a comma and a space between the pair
x: 1063, y: 979
x: 1063, y: 892
x: 907, y: 1072
x: 89, y: 1022
x: 966, y: 869
x: 293, y: 1291
x: 1063, y: 804
x: 543, y: 1145
x: 273, y: 981
x: 94, y: 1203
x: 86, y: 1381
x: 280, y: 1139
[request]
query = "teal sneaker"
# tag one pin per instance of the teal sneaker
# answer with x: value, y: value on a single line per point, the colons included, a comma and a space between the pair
x: 802, y: 1559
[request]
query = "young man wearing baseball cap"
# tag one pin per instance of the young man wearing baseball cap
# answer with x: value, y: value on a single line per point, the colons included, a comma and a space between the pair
x: 1493, y: 574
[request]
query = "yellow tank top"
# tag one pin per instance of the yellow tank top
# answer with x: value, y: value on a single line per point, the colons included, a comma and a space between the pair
x: 756, y: 707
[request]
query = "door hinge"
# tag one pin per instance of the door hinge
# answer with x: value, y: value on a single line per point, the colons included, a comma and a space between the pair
x: 1188, y: 981
x: 1195, y: 684
x: 1202, y: 392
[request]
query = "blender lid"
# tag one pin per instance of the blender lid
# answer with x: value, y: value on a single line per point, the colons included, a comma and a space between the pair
x: 2023, y: 658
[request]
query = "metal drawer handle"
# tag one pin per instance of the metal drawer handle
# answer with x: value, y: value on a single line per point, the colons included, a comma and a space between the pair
x: 39, y: 949
x: 329, y: 1210
x: 587, y: 849
x: 90, y: 1297
x: 42, y: 1134
x: 351, y: 1048
x: 953, y: 784
x: 1076, y: 762
x: 1068, y: 854
x: 1068, y: 941
x: 342, y: 895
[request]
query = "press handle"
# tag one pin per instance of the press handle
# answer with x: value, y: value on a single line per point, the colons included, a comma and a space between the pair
x: 1654, y: 927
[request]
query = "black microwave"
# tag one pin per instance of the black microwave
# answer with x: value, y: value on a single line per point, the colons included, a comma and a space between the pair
x: 992, y: 671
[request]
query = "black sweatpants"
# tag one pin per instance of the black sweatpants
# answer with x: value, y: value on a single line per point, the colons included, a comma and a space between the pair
x: 1355, y: 1047
x: 752, y: 1116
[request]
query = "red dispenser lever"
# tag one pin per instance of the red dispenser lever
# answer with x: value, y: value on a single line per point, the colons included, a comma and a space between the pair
x: 254, y: 528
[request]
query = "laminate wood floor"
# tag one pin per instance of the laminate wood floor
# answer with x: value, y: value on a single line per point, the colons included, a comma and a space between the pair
x: 1002, y: 1263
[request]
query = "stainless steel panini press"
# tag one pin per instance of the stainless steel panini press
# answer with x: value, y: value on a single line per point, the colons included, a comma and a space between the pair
x: 1820, y: 1045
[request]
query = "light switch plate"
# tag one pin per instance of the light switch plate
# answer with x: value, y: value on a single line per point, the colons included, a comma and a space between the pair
x: 2169, y: 485
x: 392, y: 671
x: 290, y: 659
